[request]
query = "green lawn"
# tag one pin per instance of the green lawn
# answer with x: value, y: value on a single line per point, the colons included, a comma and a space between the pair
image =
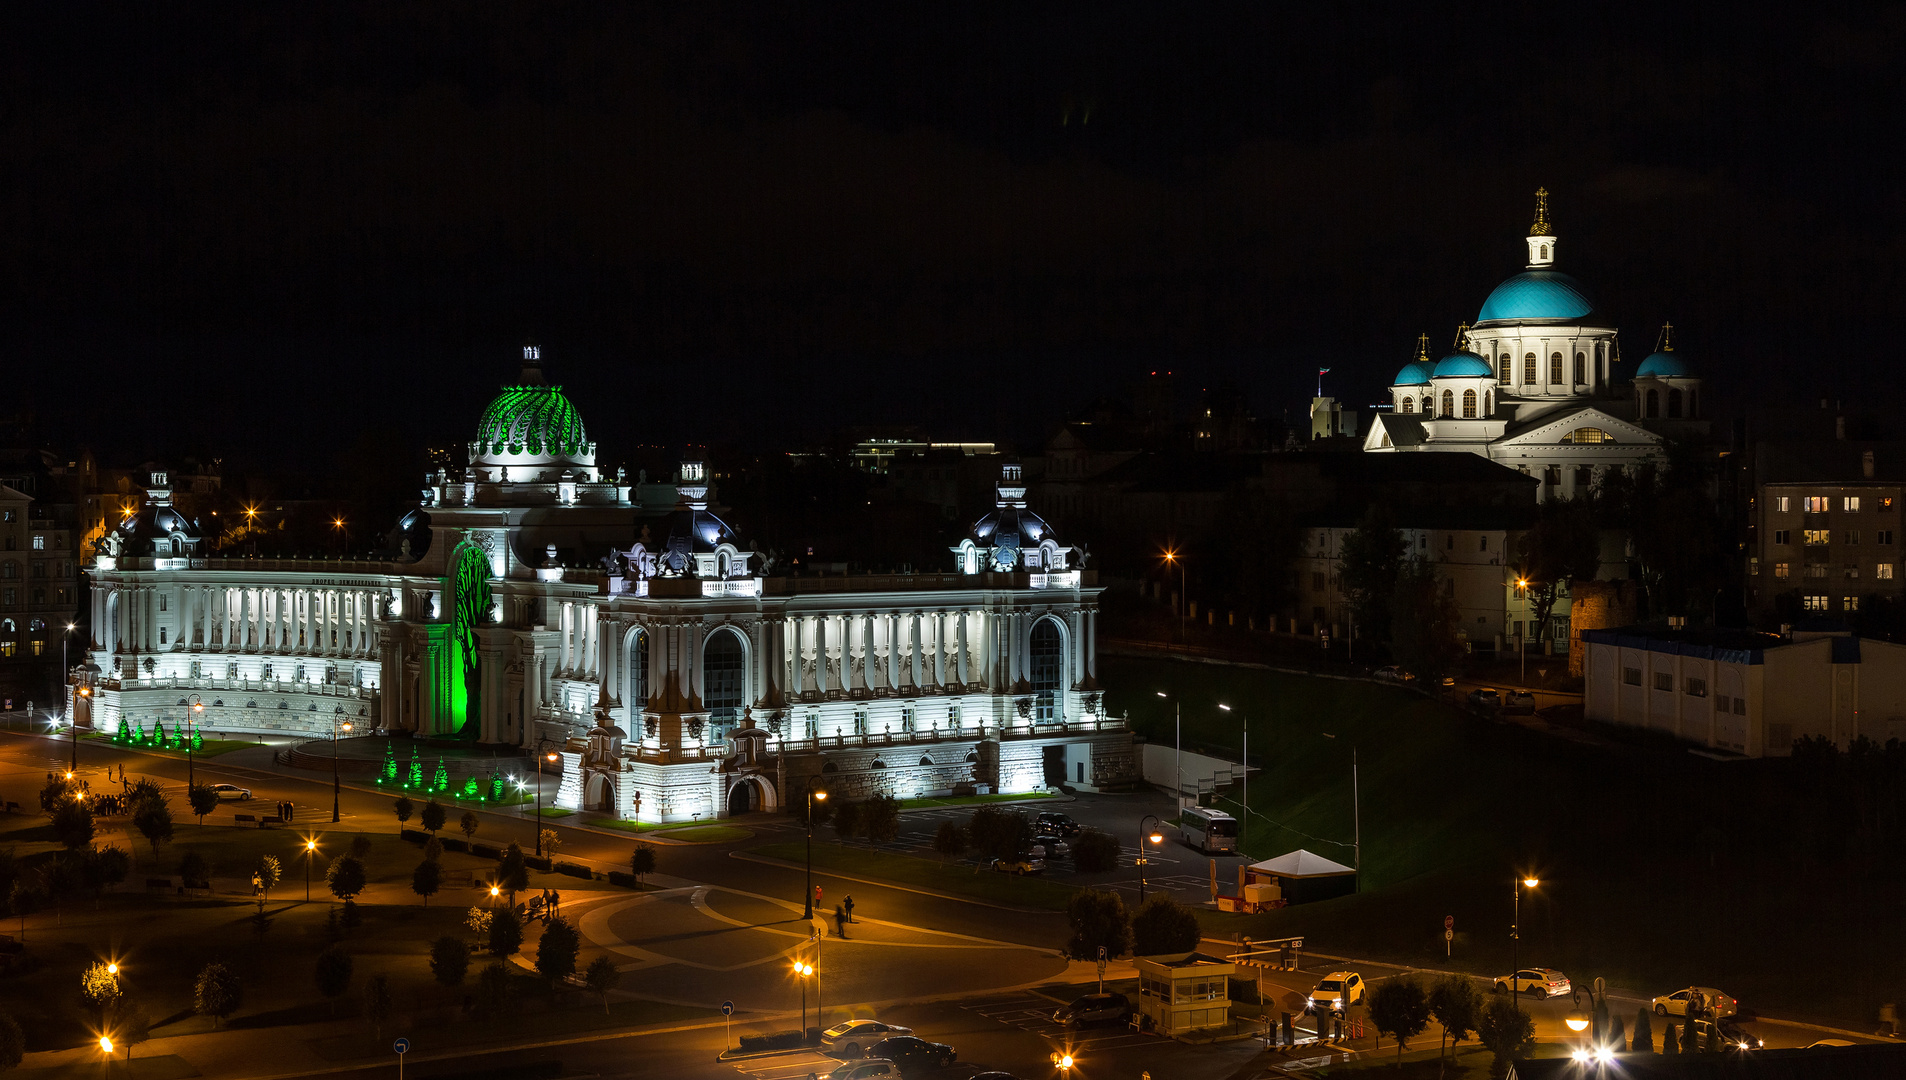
x: 1659, y: 869
x: 971, y: 800
x: 555, y: 811
x: 1028, y: 892
x: 208, y: 749
x: 630, y: 826
x: 706, y: 834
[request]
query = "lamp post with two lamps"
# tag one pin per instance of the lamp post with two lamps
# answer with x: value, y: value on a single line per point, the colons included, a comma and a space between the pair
x: 807, y: 897
x: 1156, y: 836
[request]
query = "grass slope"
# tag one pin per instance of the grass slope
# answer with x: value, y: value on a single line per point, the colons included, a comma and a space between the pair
x: 1652, y: 875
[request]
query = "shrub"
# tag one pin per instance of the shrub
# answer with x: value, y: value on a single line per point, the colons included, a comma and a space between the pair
x: 576, y: 870
x: 451, y: 843
x: 415, y: 836
x: 192, y: 868
x: 433, y: 849
x: 775, y: 1040
x: 12, y: 1042
x: 494, y: 991
x: 1507, y: 1032
x: 332, y: 974
x: 1162, y: 926
x: 623, y: 878
x: 506, y: 932
x: 1670, y: 1042
x: 880, y: 818
x: 846, y: 820
x: 950, y: 840
x: 1644, y: 1042
x: 449, y: 960
x: 1095, y: 852
x: 1098, y: 920
x: 538, y: 863
x: 73, y: 824
x: 485, y: 851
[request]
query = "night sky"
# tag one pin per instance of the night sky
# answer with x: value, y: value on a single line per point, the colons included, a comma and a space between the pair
x: 293, y: 235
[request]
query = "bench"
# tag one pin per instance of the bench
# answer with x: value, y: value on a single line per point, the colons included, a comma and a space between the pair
x: 255, y: 819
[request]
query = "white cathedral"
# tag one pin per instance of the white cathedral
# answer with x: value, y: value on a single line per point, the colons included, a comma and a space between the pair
x: 538, y: 604
x: 1533, y: 385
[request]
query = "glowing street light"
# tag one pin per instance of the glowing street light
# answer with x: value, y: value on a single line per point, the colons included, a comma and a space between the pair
x: 802, y: 971
x: 192, y: 717
x: 807, y: 898
x: 1184, y: 594
x: 1156, y: 836
x: 310, y: 855
x: 1515, y: 937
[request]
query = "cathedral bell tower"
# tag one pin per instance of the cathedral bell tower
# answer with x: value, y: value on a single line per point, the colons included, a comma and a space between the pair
x: 1541, y: 238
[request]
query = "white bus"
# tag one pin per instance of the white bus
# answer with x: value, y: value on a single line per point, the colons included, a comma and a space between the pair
x: 1210, y: 831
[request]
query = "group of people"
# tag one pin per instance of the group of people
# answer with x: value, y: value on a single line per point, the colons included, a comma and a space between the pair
x: 843, y: 914
x: 547, y: 906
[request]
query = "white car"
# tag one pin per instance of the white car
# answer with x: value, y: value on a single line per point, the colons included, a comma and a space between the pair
x: 1540, y: 982
x: 1712, y: 1001
x: 849, y: 1039
x: 1336, y: 992
x: 1054, y: 847
x: 232, y: 791
x: 871, y: 1069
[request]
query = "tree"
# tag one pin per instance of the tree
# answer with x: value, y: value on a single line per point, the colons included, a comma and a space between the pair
x: 426, y: 879
x: 203, y: 800
x: 506, y: 932
x: 360, y: 847
x: 1670, y: 1042
x: 602, y: 977
x: 1457, y: 1006
x: 468, y: 824
x: 192, y: 868
x: 270, y: 871
x: 153, y: 819
x: 1095, y: 852
x: 449, y: 960
x: 997, y: 834
x: 550, y: 842
x: 24, y: 899
x: 1617, y: 1037
x: 218, y: 993
x: 1163, y: 925
x: 377, y: 1003
x: 478, y: 920
x: 1507, y: 1032
x: 846, y: 820
x: 512, y: 875
x: 433, y: 816
x: 404, y: 808
x: 99, y: 989
x: 880, y: 818
x: 1101, y: 930
x: 949, y: 840
x: 106, y: 867
x: 57, y: 790
x: 556, y: 951
x: 641, y: 861
x: 332, y: 974
x: 73, y: 824
x: 1563, y: 545
x: 345, y: 876
x: 128, y: 1023
x: 1644, y: 1032
x: 494, y: 991
x: 1400, y: 1008
x: 1426, y: 626
x: 12, y: 1042
x: 1371, y: 557
x: 433, y: 849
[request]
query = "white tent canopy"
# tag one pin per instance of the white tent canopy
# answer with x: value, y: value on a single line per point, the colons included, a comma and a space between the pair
x: 1301, y: 864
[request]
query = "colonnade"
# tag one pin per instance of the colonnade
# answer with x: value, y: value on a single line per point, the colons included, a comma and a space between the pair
x: 320, y: 621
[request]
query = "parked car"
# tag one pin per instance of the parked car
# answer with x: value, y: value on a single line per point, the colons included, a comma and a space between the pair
x: 909, y: 1052
x: 1094, y: 1009
x: 1055, y: 848
x: 1025, y: 864
x: 1732, y: 1035
x: 848, y: 1039
x: 1540, y: 982
x: 870, y: 1069
x: 1485, y: 698
x: 1051, y: 821
x: 1519, y: 701
x: 1712, y: 1000
x: 232, y: 791
x: 1392, y: 673
x: 1336, y: 992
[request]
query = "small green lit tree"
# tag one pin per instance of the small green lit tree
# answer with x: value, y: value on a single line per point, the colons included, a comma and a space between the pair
x: 414, y: 776
x: 440, y: 780
x: 389, y: 771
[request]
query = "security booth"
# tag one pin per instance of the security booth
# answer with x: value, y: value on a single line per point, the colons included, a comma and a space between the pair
x: 1182, y: 993
x: 1303, y: 877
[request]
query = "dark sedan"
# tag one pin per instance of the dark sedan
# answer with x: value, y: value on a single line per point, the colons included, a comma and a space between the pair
x: 912, y: 1053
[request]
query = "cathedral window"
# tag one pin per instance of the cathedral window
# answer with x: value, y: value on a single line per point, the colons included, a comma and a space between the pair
x: 1502, y: 367
x: 1409, y: 405
x: 1581, y: 368
x: 1651, y: 406
x: 1488, y: 404
x: 1469, y: 404
x: 1528, y: 368
x: 1426, y: 404
x: 1589, y: 435
x: 1449, y: 403
x: 1555, y: 368
x: 1674, y: 403
x: 1545, y: 252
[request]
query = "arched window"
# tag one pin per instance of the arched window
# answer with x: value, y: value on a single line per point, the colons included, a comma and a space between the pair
x: 1409, y: 405
x: 1652, y: 408
x: 1502, y: 368
x: 1555, y: 368
x: 637, y: 693
x: 1048, y: 659
x: 1449, y: 403
x: 724, y: 682
x: 7, y: 627
x: 9, y: 569
x: 1528, y: 368
x: 1469, y: 404
x: 1426, y: 405
x: 1581, y: 369
x: 1545, y: 252
x: 1674, y: 403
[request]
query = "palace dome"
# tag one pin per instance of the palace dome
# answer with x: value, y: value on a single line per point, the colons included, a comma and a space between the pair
x: 1664, y: 365
x: 1414, y: 373
x: 1465, y: 365
x: 1535, y: 295
x: 535, y: 420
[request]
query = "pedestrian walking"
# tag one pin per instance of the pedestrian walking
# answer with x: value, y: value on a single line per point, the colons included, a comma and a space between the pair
x: 840, y: 921
x: 850, y: 907
x: 555, y: 901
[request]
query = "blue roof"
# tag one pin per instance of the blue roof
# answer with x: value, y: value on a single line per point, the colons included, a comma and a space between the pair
x: 1665, y: 365
x: 1463, y: 363
x: 1414, y: 373
x: 1537, y: 294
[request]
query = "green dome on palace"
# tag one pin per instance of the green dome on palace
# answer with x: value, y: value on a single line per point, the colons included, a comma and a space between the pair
x: 531, y: 420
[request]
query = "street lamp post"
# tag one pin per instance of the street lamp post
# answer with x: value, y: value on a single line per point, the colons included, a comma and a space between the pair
x: 310, y: 854
x: 1156, y: 837
x: 1184, y: 593
x: 807, y: 898
x: 191, y: 728
x: 802, y: 970
x: 1356, y: 812
x: 1515, y: 941
x: 66, y: 675
x: 1244, y: 725
x: 1177, y: 750
x: 540, y: 757
x: 337, y: 784
x: 1522, y: 639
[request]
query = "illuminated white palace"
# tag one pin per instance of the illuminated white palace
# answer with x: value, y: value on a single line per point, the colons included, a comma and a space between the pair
x: 539, y: 604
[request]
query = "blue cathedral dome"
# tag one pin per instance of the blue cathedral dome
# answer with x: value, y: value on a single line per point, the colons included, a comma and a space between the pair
x: 1664, y: 365
x: 1464, y: 364
x: 1414, y: 373
x: 1537, y: 294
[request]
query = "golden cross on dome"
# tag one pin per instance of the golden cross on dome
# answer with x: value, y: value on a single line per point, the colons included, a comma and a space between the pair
x: 1462, y: 338
x: 1541, y: 226
x: 1422, y: 346
x: 1667, y: 338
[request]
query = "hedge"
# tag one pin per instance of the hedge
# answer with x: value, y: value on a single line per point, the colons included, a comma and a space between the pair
x: 415, y: 836
x: 576, y: 870
x: 537, y: 862
x: 776, y: 1040
x: 450, y: 844
x: 624, y: 879
x: 486, y: 851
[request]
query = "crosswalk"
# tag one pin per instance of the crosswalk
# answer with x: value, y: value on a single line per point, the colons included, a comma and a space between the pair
x: 1033, y: 1012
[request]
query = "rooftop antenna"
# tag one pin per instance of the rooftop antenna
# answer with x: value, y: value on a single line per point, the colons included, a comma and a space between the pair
x: 1321, y: 372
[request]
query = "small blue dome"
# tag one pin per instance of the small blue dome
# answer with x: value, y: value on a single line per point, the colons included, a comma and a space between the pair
x: 1414, y: 373
x: 1664, y: 365
x: 1537, y: 294
x: 1465, y: 364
